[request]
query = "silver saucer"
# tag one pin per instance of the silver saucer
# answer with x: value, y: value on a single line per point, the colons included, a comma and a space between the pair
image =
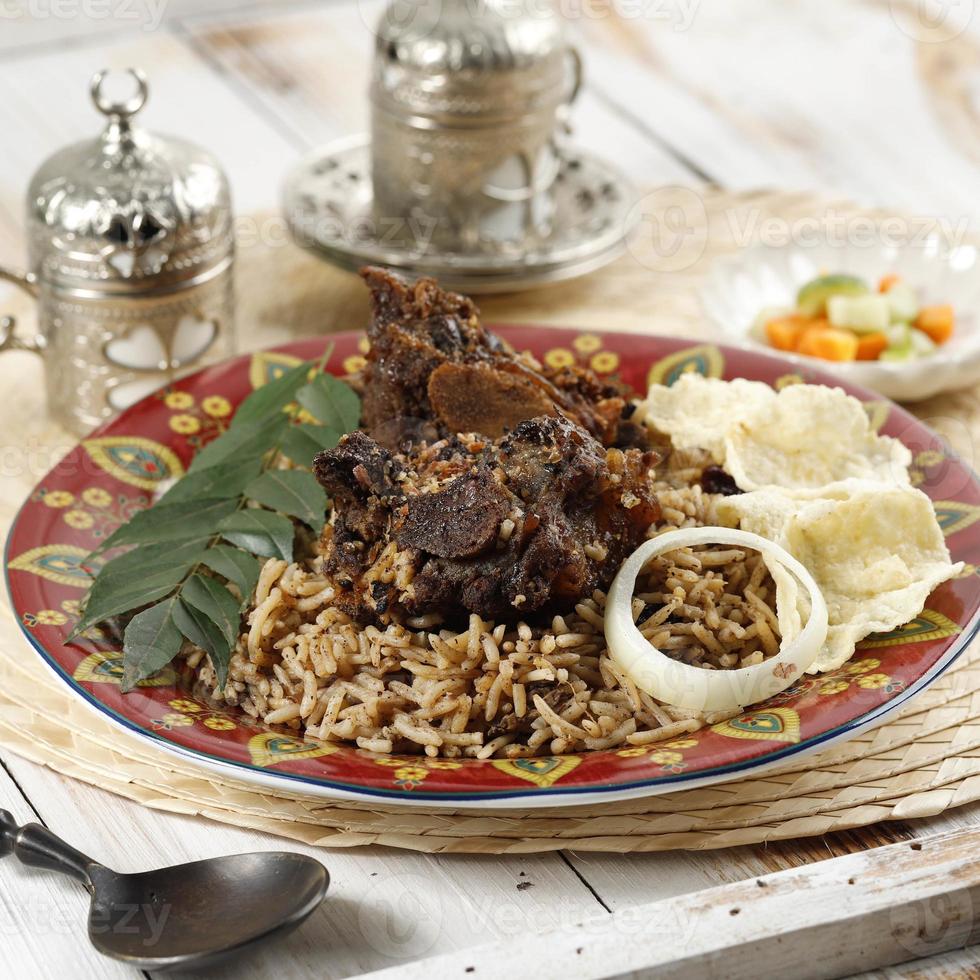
x: 328, y: 204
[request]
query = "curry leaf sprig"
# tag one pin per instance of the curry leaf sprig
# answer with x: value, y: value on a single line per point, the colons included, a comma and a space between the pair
x: 194, y: 557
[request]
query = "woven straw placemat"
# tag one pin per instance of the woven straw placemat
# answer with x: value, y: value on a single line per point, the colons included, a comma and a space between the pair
x: 925, y: 760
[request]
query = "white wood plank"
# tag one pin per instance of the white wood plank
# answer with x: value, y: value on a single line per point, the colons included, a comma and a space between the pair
x: 947, y: 966
x: 43, y: 915
x: 384, y: 907
x: 874, y: 909
x: 46, y: 104
x: 27, y: 24
x: 818, y: 93
x: 627, y: 881
x: 310, y: 70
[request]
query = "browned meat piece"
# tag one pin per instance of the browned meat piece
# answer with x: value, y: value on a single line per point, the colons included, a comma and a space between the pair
x: 480, y: 398
x: 539, y: 518
x: 716, y: 480
x: 461, y: 521
x: 433, y: 370
x: 360, y: 475
x: 585, y: 396
x: 414, y: 329
x: 555, y: 697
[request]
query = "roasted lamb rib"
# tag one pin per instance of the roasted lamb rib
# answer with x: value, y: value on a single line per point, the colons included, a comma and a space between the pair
x: 481, y: 484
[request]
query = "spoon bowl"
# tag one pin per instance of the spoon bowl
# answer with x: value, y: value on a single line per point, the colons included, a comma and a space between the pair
x: 188, y: 916
x: 202, y: 912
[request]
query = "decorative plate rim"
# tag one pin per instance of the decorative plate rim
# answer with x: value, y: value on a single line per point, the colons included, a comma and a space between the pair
x: 530, y: 796
x: 521, y: 798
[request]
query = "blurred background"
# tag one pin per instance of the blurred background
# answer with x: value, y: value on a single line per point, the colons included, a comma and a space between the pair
x: 873, y: 102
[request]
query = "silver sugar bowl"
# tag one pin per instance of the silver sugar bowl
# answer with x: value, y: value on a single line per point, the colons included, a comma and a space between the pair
x: 131, y: 246
x: 469, y: 99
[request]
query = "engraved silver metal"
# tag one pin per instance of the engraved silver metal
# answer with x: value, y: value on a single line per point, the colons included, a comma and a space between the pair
x: 131, y: 248
x: 469, y: 104
x: 329, y: 204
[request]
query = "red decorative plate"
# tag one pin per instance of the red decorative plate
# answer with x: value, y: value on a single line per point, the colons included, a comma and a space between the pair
x: 117, y: 470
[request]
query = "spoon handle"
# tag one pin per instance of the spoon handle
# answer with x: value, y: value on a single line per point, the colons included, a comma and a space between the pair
x: 37, y: 847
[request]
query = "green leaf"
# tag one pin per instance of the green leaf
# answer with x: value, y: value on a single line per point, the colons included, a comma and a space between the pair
x: 331, y: 401
x: 137, y: 578
x: 172, y: 537
x: 235, y: 565
x: 210, y: 597
x: 241, y: 442
x: 302, y: 442
x: 219, y: 482
x: 172, y: 523
x: 272, y: 397
x: 151, y: 641
x: 197, y: 628
x: 260, y: 532
x: 292, y: 492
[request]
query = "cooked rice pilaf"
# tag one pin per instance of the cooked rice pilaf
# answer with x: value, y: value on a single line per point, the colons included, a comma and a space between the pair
x: 496, y: 690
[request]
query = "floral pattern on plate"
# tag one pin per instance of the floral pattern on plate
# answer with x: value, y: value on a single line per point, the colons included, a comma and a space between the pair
x: 123, y: 465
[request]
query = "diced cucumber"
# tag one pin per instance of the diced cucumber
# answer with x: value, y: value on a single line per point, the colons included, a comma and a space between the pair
x: 902, y: 302
x: 899, y: 344
x: 862, y: 314
x: 907, y: 344
x: 898, y: 335
x: 812, y: 298
x: 922, y: 343
x: 897, y: 354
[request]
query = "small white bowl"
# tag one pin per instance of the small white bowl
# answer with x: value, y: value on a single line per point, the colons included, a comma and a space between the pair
x: 738, y: 287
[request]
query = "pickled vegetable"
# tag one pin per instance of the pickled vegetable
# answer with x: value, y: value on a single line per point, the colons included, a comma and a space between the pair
x: 871, y: 345
x: 783, y: 332
x: 862, y: 314
x: 838, y: 318
x: 902, y: 302
x: 829, y: 343
x: 936, y: 322
x: 812, y: 298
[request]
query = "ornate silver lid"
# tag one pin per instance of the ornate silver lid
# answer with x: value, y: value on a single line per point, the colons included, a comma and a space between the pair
x: 466, y: 60
x: 128, y: 212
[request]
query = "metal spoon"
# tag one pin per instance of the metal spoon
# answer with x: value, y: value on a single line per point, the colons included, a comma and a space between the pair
x: 188, y: 916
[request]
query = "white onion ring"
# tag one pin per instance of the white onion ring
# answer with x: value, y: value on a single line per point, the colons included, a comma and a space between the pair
x: 695, y: 688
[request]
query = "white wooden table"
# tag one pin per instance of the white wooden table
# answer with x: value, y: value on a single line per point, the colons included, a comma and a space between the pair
x: 870, y: 99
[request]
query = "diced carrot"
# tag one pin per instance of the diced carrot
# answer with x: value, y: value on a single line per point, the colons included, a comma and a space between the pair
x: 887, y: 282
x: 937, y: 322
x: 783, y: 332
x: 828, y: 343
x: 870, y: 346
